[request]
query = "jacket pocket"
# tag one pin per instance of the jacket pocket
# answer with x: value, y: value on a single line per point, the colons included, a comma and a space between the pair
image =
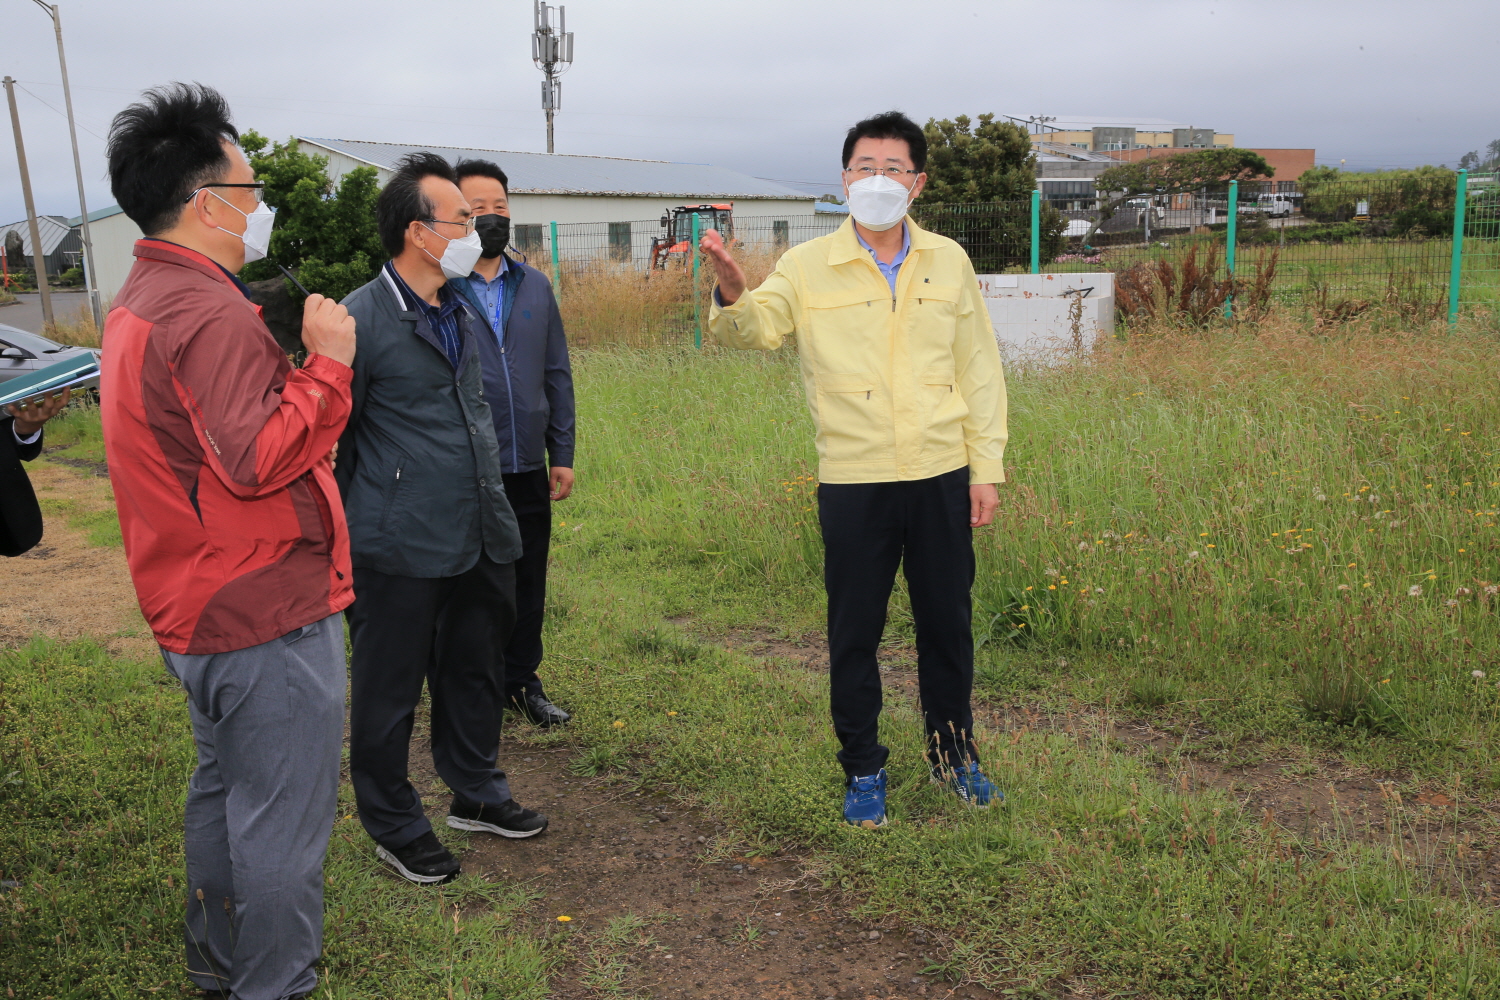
x: 945, y: 405
x: 395, y: 492
x: 854, y: 417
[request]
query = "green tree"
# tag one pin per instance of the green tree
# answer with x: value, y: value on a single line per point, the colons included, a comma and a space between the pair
x: 1176, y: 174
x: 979, y: 183
x: 327, y: 236
x: 1402, y: 201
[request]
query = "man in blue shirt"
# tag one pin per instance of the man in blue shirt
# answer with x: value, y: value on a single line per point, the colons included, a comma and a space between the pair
x: 529, y: 384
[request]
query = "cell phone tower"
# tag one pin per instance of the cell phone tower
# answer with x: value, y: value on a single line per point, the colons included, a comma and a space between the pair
x: 552, y: 51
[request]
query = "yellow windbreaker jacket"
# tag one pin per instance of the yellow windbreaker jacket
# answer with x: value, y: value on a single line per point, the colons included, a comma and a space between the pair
x: 903, y: 387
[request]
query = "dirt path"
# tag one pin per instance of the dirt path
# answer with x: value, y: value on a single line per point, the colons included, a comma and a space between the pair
x: 65, y: 588
x: 661, y: 907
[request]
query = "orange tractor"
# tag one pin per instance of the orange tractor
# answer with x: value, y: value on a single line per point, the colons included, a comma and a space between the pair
x: 674, y: 244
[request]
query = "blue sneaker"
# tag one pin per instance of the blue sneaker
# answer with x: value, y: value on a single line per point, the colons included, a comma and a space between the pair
x: 864, y: 802
x: 969, y: 784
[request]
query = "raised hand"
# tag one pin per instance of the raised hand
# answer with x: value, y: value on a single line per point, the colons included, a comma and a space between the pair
x: 328, y: 329
x: 731, y: 278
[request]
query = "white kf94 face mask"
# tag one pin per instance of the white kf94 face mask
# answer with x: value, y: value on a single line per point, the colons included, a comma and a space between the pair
x: 257, y: 234
x: 461, y: 255
x: 878, y: 202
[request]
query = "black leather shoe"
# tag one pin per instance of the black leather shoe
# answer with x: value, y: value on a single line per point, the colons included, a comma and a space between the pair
x: 538, y: 710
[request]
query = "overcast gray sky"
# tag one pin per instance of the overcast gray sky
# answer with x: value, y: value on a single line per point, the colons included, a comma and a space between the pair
x: 763, y: 86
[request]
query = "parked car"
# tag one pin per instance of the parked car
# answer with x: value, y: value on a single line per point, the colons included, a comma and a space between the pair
x: 1275, y: 206
x: 22, y: 353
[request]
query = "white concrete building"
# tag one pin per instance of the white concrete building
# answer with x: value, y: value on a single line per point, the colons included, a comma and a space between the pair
x: 564, y: 188
x: 114, y: 237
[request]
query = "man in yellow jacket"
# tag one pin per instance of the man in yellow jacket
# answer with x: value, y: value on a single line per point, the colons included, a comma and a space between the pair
x: 903, y: 376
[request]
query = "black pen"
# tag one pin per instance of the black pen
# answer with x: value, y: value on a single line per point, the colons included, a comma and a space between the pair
x: 293, y: 279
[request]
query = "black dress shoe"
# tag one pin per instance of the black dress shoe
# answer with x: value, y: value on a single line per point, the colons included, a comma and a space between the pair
x: 538, y: 710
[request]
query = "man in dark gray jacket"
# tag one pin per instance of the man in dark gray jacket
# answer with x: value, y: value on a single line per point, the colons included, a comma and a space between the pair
x: 529, y: 384
x: 431, y: 533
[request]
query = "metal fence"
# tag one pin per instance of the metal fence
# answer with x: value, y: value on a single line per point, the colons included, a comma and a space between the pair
x: 1422, y: 246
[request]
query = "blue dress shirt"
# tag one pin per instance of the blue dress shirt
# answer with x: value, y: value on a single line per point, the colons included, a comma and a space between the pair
x: 889, y: 270
x: 492, y: 295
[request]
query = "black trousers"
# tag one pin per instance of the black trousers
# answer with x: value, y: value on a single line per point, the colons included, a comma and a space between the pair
x: 530, y: 496
x: 446, y: 631
x: 868, y: 530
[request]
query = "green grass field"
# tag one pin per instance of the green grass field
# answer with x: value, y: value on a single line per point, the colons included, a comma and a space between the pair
x: 1274, y: 547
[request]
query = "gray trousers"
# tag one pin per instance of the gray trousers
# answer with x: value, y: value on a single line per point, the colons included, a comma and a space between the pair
x: 268, y: 722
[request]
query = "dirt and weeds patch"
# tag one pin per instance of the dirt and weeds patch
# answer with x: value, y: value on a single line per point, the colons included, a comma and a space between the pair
x: 1243, y: 552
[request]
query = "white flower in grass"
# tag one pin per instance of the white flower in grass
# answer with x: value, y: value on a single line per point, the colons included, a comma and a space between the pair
x: 1464, y: 591
x: 1343, y: 586
x: 1492, y: 589
x: 1415, y: 590
x: 1083, y: 546
x: 1477, y: 674
x: 1193, y: 554
x: 1451, y: 603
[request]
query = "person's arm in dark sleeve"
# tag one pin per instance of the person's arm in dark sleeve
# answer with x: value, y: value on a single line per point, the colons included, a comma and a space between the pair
x: 27, y: 448
x: 261, y: 428
x: 562, y: 410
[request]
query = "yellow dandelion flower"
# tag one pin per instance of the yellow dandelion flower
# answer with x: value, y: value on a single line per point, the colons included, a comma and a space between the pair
x: 670, y: 714
x: 619, y: 723
x: 564, y: 919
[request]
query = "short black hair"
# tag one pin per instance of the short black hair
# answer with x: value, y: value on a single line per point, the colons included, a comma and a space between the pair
x: 402, y: 202
x: 891, y: 125
x: 163, y: 148
x: 482, y: 168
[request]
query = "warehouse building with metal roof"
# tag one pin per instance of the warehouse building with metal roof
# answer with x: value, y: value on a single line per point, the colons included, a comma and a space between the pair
x: 565, y: 188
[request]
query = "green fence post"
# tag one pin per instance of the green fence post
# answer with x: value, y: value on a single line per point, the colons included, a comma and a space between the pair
x: 556, y: 270
x: 1036, y: 231
x: 1455, y: 277
x: 1229, y: 241
x: 697, y: 299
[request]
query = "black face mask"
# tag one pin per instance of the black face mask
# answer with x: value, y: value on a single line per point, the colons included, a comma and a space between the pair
x: 494, y: 234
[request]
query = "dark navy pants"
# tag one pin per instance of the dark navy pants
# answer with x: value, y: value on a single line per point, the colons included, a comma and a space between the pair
x: 869, y: 529
x: 530, y: 496
x: 445, y: 631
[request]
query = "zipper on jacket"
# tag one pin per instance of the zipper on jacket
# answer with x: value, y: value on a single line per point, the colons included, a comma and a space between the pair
x: 510, y: 395
x: 398, y: 472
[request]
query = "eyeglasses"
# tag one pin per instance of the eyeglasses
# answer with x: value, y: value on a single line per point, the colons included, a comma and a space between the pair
x: 259, y: 187
x: 468, y: 224
x: 867, y: 172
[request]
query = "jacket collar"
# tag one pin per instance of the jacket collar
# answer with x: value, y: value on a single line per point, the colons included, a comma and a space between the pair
x: 845, y: 247
x: 407, y: 309
x: 148, y: 248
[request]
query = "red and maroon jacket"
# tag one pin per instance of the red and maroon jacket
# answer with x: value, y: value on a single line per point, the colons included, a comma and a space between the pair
x: 218, y: 455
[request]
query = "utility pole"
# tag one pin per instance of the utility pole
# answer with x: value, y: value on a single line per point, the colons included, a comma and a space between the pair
x: 83, y: 208
x: 552, y: 51
x: 36, y: 237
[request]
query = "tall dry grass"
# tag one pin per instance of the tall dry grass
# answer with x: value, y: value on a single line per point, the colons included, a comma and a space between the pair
x: 607, y: 302
x: 75, y: 328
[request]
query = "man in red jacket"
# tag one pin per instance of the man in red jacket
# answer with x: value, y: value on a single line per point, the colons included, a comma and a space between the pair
x: 219, y: 456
